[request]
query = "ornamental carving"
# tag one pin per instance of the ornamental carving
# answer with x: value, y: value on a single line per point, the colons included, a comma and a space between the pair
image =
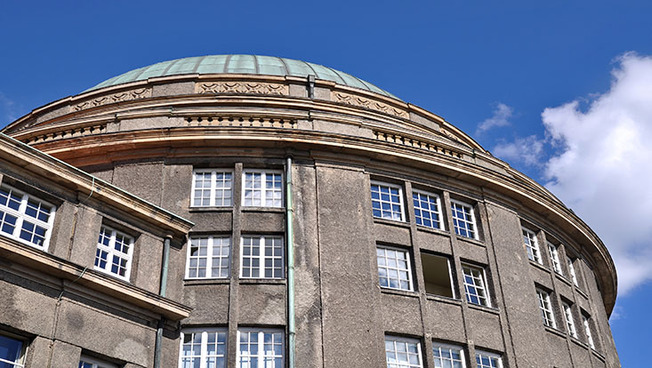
x: 243, y: 87
x: 116, y: 97
x: 354, y: 100
x: 411, y: 142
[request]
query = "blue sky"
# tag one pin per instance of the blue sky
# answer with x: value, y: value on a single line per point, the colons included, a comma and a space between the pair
x: 561, y: 91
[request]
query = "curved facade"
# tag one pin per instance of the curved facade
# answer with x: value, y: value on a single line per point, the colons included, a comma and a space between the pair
x: 288, y: 219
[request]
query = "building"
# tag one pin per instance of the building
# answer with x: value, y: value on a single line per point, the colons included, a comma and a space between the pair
x: 253, y: 211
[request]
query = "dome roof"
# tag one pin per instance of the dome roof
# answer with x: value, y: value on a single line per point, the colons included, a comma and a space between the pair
x: 241, y: 64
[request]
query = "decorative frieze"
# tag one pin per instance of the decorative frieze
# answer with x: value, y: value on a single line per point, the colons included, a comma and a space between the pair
x: 241, y: 122
x: 258, y: 88
x: 355, y: 100
x: 411, y: 142
x: 66, y: 134
x: 116, y: 97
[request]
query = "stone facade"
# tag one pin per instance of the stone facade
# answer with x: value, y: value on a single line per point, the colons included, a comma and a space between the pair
x: 137, y: 151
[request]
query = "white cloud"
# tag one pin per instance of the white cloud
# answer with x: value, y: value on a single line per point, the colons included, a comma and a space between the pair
x: 527, y: 150
x: 7, y: 110
x: 604, y: 168
x: 500, y: 118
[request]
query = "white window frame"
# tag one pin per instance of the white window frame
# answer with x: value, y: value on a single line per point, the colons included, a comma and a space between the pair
x: 388, y: 268
x: 244, y: 361
x: 214, y: 242
x: 203, y: 354
x: 532, y: 245
x: 264, y: 191
x: 493, y: 358
x: 464, y: 224
x: 20, y: 361
x: 587, y: 331
x: 224, y: 200
x: 112, y: 252
x: 571, y: 270
x: 432, y: 213
x: 262, y: 257
x: 553, y: 251
x: 395, y: 342
x: 439, y: 347
x: 479, y: 278
x: 545, y: 306
x: 393, y: 215
x: 22, y: 218
x: 570, y: 321
x: 95, y: 363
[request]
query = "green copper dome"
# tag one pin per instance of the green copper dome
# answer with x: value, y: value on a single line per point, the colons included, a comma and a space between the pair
x: 241, y: 64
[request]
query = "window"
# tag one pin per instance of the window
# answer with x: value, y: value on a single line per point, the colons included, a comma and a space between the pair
x: 448, y: 356
x: 25, y: 218
x: 209, y: 257
x: 571, y: 270
x: 463, y: 219
x: 262, y: 257
x: 570, y: 322
x: 393, y: 268
x: 475, y: 285
x: 427, y: 209
x: 87, y: 362
x: 387, y: 201
x: 262, y: 188
x: 546, y: 308
x: 554, y: 258
x: 402, y: 353
x: 260, y: 349
x: 11, y: 352
x: 484, y: 359
x: 532, y: 246
x: 212, y: 188
x: 587, y: 331
x: 203, y: 349
x: 437, y: 275
x: 114, y: 252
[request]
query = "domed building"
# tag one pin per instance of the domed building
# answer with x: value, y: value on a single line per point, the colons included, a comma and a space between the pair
x: 253, y: 211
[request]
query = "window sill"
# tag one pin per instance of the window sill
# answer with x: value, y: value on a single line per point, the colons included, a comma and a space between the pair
x: 210, y: 209
x: 399, y: 223
x: 433, y: 230
x: 470, y: 240
x: 598, y: 355
x: 263, y: 209
x: 579, y: 342
x: 555, y: 331
x: 411, y: 294
x: 220, y: 281
x: 262, y: 281
x: 581, y: 292
x: 443, y: 299
x: 483, y: 308
x: 564, y: 280
x: 539, y: 266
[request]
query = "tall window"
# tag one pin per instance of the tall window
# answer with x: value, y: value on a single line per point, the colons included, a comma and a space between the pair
x: 25, y: 218
x: 260, y: 349
x: 532, y: 246
x: 387, y: 201
x: 262, y: 257
x: 393, y: 268
x: 262, y: 188
x: 571, y: 270
x: 554, y: 258
x: 546, y: 308
x: 212, y: 188
x: 475, y: 285
x: 427, y: 209
x: 402, y: 352
x: 114, y: 252
x: 448, y: 355
x: 570, y: 321
x: 463, y: 219
x: 11, y: 352
x: 485, y: 359
x: 208, y: 257
x: 587, y: 331
x: 203, y: 349
x: 437, y: 275
x: 88, y: 362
